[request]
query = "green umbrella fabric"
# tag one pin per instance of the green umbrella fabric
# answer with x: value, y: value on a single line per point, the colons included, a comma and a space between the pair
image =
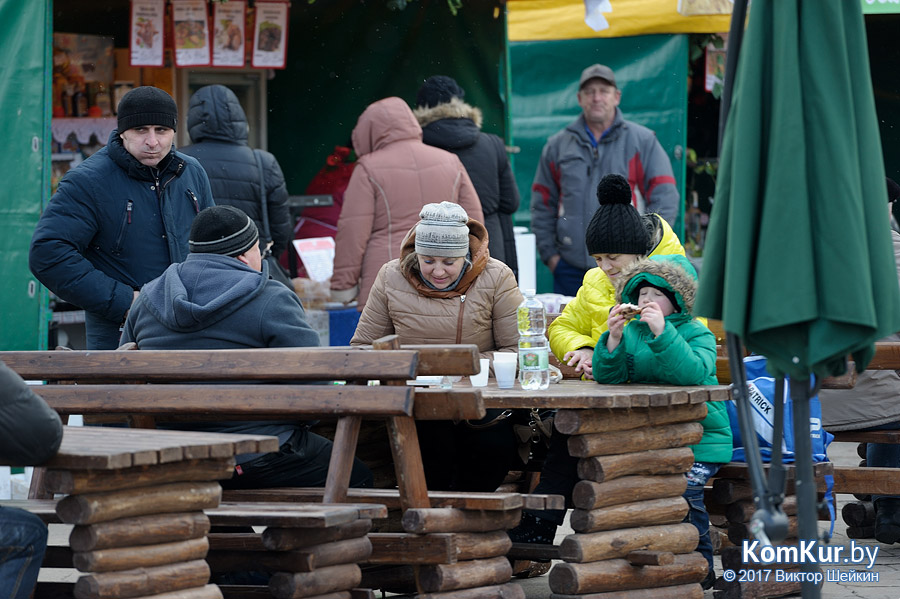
x: 798, y: 259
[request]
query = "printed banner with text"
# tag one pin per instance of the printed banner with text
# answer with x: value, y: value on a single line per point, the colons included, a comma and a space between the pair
x: 146, y: 33
x: 270, y: 35
x: 229, y: 22
x: 190, y: 30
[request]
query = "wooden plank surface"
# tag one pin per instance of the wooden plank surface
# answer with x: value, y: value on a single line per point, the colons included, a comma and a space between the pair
x: 888, y: 437
x: 388, y: 497
x: 108, y: 448
x: 588, y: 394
x: 301, y: 363
x: 292, y: 515
x: 246, y: 401
x: 865, y: 481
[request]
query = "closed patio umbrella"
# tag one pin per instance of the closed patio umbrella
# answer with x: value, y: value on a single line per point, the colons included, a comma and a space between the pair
x: 798, y: 261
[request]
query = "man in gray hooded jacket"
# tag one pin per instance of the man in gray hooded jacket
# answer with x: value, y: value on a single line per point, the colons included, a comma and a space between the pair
x: 221, y: 297
x: 30, y: 434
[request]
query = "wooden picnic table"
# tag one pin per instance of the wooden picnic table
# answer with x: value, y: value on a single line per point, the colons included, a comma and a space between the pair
x: 632, y: 441
x: 137, y: 499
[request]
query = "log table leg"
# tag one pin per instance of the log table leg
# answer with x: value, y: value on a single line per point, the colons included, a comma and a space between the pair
x: 140, y: 537
x: 630, y: 541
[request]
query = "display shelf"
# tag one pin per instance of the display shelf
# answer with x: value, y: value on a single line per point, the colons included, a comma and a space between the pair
x: 83, y: 128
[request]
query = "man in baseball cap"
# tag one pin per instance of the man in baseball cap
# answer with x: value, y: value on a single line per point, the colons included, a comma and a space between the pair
x: 598, y: 143
x: 121, y: 217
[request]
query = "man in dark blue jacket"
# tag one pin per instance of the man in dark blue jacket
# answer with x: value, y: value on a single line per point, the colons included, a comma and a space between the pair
x: 121, y: 217
x: 221, y: 297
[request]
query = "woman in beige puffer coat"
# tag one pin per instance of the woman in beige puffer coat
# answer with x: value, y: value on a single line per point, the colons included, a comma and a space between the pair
x: 395, y: 176
x: 476, y: 304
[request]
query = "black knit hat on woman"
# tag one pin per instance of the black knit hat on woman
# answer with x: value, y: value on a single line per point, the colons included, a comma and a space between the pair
x: 616, y: 227
x: 146, y: 105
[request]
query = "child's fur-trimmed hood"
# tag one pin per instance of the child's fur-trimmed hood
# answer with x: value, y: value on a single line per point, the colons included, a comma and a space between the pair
x: 672, y: 272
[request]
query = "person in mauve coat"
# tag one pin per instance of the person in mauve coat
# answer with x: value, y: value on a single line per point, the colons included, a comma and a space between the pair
x: 395, y: 176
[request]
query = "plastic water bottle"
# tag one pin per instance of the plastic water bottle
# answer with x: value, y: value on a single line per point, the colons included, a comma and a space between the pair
x: 534, y: 371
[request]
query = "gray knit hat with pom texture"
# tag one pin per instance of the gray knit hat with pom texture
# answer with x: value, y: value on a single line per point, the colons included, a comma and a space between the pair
x: 442, y: 231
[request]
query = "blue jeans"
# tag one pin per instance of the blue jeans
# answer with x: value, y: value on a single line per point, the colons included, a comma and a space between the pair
x: 100, y: 333
x: 697, y: 515
x: 883, y: 455
x: 567, y: 279
x: 23, y: 540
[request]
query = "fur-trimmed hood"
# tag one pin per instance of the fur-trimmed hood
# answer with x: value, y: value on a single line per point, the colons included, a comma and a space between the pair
x: 454, y: 109
x: 671, y: 272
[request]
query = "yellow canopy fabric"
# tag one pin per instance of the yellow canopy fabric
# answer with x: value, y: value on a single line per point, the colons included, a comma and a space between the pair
x: 534, y: 20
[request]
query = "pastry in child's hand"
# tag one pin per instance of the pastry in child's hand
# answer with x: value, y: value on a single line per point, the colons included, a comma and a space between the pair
x: 629, y: 311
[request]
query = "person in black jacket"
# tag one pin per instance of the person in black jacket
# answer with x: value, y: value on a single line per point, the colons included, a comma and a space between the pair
x: 451, y: 124
x: 218, y: 129
x: 121, y: 217
x: 30, y: 434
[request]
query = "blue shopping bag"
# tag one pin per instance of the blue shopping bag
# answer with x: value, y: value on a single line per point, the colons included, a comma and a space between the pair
x: 761, y: 389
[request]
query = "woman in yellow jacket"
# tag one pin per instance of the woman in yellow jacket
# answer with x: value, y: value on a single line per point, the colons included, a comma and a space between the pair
x: 616, y: 236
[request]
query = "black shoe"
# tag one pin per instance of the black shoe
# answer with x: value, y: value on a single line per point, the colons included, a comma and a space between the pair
x: 709, y: 581
x: 533, y: 530
x: 887, y: 520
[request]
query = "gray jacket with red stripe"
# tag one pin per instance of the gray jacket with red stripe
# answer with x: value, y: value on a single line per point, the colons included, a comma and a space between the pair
x: 564, y: 193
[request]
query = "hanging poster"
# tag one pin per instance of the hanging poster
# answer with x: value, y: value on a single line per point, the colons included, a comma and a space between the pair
x: 270, y: 35
x: 190, y: 30
x: 146, y: 33
x: 229, y: 20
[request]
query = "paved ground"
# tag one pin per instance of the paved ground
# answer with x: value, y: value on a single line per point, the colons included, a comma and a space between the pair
x: 887, y: 563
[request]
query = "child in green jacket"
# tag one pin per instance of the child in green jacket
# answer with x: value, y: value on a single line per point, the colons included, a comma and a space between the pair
x: 664, y: 344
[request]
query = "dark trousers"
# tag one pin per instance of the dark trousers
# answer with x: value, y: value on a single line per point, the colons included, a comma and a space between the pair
x: 23, y: 541
x: 457, y: 457
x: 558, y: 476
x: 302, y: 461
x: 567, y: 279
x: 100, y: 333
x: 883, y: 455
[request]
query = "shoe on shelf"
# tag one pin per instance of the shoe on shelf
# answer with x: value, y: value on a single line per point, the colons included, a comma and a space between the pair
x: 532, y: 529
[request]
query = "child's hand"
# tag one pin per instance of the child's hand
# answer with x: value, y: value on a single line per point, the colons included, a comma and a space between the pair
x: 616, y: 324
x: 582, y: 359
x: 652, y: 315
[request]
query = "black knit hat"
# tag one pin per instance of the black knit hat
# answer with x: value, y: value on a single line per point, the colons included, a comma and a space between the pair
x: 146, y: 105
x: 616, y: 227
x: 222, y: 230
x: 438, y: 89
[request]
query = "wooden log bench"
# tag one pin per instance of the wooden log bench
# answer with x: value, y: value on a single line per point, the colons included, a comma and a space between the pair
x: 265, y: 384
x: 136, y: 500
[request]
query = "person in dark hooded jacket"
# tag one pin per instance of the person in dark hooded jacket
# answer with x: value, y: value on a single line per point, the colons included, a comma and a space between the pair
x: 121, y: 217
x: 30, y: 434
x: 218, y: 128
x: 451, y: 124
x: 220, y: 297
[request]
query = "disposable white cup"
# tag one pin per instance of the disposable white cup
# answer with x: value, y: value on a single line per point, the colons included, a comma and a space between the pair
x: 505, y: 369
x: 480, y: 379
